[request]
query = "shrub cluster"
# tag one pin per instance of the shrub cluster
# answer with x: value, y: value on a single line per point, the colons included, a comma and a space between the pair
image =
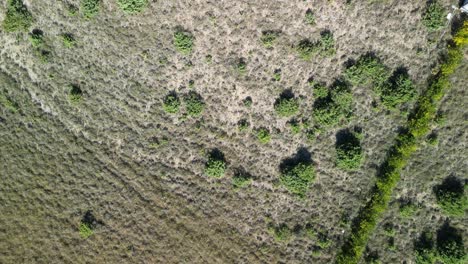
x: 132, y: 6
x: 389, y: 174
x: 297, y: 177
x: 367, y: 70
x: 68, y: 40
x: 75, y: 93
x: 183, y: 41
x: 17, y: 18
x: 397, y: 90
x: 336, y: 106
x: 348, y: 150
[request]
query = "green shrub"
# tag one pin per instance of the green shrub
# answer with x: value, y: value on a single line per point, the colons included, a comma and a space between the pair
x: 132, y: 6
x: 90, y: 8
x: 241, y: 65
x: 434, y: 16
x: 325, y: 46
x: 295, y: 126
x: 335, y: 107
x: 263, y: 135
x: 194, y: 104
x: 407, y: 209
x: 68, y: 40
x: 75, y: 93
x: 309, y: 17
x: 368, y: 69
x: 72, y: 9
x: 348, y: 150
x: 268, y: 38
x: 241, y: 179
x: 171, y: 103
x: 297, y: 178
x: 397, y: 90
x: 277, y: 75
x: 243, y: 124
x: 451, y: 198
x: 247, y: 101
x: 17, y: 17
x: 307, y: 49
x: 281, y: 232
x: 37, y: 38
x: 85, y: 230
x: 286, y: 106
x: 216, y: 165
x: 319, y: 90
x: 183, y: 41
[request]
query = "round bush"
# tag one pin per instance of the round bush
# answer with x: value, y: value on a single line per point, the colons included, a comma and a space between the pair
x: 297, y: 178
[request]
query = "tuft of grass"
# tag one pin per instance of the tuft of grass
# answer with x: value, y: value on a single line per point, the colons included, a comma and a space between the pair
x: 89, y: 8
x: 68, y: 40
x: 325, y: 46
x: 194, y: 104
x: 183, y: 41
x: 286, y: 105
x: 268, y: 38
x: 75, y: 93
x: 434, y: 16
x: 216, y: 165
x: 171, y: 103
x: 263, y: 135
x: 132, y: 6
x: 85, y: 230
x: 243, y: 125
x: 241, y: 65
x: 297, y: 178
x: 348, y: 150
x: 18, y: 17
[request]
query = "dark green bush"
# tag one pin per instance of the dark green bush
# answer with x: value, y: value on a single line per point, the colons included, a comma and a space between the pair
x: 263, y: 135
x: 325, y: 46
x: 348, y: 150
x: 216, y: 165
x: 397, y: 90
x: 434, y: 16
x: 297, y: 177
x: 306, y: 48
x: 368, y: 69
x: 183, y: 41
x: 87, y: 225
x: 407, y: 209
x: 247, y: 101
x: 194, y: 104
x: 451, y: 197
x: 320, y: 90
x: 132, y: 6
x: 75, y: 93
x: 286, y: 105
x: 335, y: 107
x: 37, y: 38
x: 90, y: 8
x: 171, y: 103
x: 17, y: 17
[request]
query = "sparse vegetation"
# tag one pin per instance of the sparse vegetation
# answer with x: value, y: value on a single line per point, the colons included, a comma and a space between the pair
x: 90, y: 8
x: 434, y: 16
x: 37, y: 38
x: 407, y: 209
x: 241, y: 65
x: 243, y: 125
x: 171, y: 103
x: 183, y: 41
x: 281, y: 233
x: 194, y: 104
x: 216, y: 165
x: 263, y: 135
x: 132, y: 6
x: 348, y: 150
x: 17, y: 17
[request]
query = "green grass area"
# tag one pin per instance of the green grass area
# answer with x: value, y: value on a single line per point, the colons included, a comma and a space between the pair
x: 194, y: 104
x: 216, y: 165
x: 132, y: 6
x: 17, y: 17
x: 337, y: 106
x: 89, y: 8
x: 241, y: 179
x: 406, y: 143
x: 183, y: 41
x: 171, y: 103
x: 434, y: 16
x: 407, y: 209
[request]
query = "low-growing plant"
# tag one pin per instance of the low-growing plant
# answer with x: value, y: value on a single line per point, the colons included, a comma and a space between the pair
x: 72, y: 9
x: 268, y: 38
x: 75, y: 93
x: 68, y: 40
x: 216, y: 164
x: 171, y: 103
x: 132, y: 6
x: 85, y: 230
x: 287, y: 105
x: 87, y: 225
x: 37, y: 38
x: 243, y: 125
x: 434, y: 16
x: 281, y: 233
x: 348, y: 150
x: 241, y: 65
x: 309, y: 17
x: 306, y: 49
x: 17, y: 17
x: 241, y: 179
x: 337, y: 106
x: 319, y: 90
x: 325, y: 46
x: 263, y: 135
x: 247, y: 101
x: 183, y: 41
x: 327, y: 43
x: 277, y: 75
x: 295, y: 126
x: 194, y: 104
x: 451, y: 197
x: 296, y: 175
x: 90, y: 8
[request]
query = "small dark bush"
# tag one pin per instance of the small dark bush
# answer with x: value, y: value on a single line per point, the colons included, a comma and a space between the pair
x: 309, y: 17
x: 37, y: 38
x: 75, y: 94
x: 183, y: 41
x: 281, y: 233
x: 68, y: 40
x: 194, y: 104
x: 241, y: 65
x: 243, y: 124
x: 268, y: 38
x: 450, y: 197
x: 216, y: 165
x: 325, y: 46
x: 241, y: 179
x: 286, y: 105
x: 368, y: 69
x: 17, y: 18
x: 263, y: 135
x: 397, y: 90
x: 348, y: 150
x: 171, y: 103
x: 247, y: 101
x: 297, y: 173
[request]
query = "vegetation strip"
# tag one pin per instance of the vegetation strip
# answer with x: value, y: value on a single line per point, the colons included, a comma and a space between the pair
x: 418, y: 125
